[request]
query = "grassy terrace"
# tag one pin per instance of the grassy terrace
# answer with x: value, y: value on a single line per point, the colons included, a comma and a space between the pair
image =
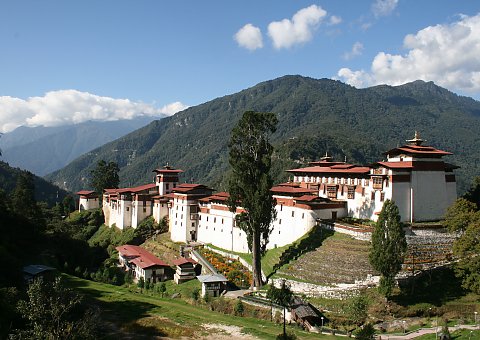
x: 128, y: 312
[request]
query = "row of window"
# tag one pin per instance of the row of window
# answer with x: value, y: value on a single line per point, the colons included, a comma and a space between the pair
x: 333, y: 180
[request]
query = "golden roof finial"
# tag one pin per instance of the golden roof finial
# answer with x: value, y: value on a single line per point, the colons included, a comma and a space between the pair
x: 416, y: 140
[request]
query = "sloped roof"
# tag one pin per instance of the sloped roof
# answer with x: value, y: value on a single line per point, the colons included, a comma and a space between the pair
x: 212, y: 278
x: 183, y: 260
x: 87, y: 193
x: 141, y: 257
x: 418, y: 150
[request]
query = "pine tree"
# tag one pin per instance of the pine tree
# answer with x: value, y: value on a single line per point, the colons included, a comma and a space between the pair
x: 388, y: 246
x: 250, y: 182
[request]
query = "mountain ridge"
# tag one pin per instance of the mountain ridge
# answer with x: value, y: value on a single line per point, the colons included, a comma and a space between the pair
x: 42, y: 150
x: 315, y: 116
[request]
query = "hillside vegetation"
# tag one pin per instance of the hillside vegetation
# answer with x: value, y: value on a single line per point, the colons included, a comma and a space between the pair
x: 44, y: 190
x: 315, y: 116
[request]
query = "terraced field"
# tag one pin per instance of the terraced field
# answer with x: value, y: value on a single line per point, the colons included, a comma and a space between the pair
x: 340, y: 259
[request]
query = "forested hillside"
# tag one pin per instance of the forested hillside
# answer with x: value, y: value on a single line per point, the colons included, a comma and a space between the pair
x: 44, y: 190
x: 315, y: 116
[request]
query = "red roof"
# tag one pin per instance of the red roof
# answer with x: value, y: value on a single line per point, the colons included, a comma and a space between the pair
x: 418, y: 150
x: 133, y: 190
x: 167, y: 170
x: 308, y: 198
x: 183, y: 260
x: 397, y: 165
x: 290, y: 190
x: 141, y: 257
x: 187, y: 187
x: 86, y: 193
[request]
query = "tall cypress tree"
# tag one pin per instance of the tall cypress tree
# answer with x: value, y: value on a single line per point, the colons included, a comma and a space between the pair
x: 105, y: 175
x: 250, y: 182
x: 388, y: 246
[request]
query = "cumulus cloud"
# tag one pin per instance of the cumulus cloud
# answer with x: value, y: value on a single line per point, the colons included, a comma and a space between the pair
x: 446, y: 54
x: 381, y: 8
x: 66, y: 107
x: 357, y: 49
x: 249, y: 37
x: 298, y: 30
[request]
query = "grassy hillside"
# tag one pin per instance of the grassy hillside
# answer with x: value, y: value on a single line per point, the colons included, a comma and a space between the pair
x: 127, y: 313
x: 315, y: 116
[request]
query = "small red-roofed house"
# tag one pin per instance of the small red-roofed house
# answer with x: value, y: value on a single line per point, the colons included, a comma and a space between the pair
x: 88, y: 200
x: 143, y: 263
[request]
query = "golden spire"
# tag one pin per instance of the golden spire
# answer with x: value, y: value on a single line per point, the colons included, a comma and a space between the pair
x: 416, y: 140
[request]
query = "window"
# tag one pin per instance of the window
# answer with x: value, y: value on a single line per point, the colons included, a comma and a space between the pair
x: 128, y: 208
x: 280, y: 221
x: 386, y: 182
x: 351, y: 193
x: 176, y: 215
x: 279, y: 232
x: 377, y: 182
x: 214, y: 220
x: 332, y: 192
x: 303, y: 216
x: 144, y: 209
x: 207, y: 218
x: 373, y: 195
x: 222, y: 220
x: 293, y: 213
x: 281, y: 207
x: 382, y: 197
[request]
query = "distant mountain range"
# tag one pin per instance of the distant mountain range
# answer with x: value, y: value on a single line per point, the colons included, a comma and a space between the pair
x: 315, y: 116
x: 42, y: 150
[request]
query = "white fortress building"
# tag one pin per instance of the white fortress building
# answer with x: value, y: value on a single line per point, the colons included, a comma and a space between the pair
x: 414, y: 176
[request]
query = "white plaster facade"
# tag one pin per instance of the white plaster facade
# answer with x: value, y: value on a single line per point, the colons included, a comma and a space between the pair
x: 88, y: 200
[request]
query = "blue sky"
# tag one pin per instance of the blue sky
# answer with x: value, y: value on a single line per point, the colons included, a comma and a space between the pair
x: 64, y: 62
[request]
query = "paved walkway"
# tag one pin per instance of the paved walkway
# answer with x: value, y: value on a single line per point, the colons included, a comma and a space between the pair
x: 423, y: 331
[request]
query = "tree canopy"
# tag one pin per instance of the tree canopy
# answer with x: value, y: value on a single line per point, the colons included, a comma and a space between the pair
x: 463, y: 217
x: 388, y: 246
x: 105, y: 175
x: 250, y: 181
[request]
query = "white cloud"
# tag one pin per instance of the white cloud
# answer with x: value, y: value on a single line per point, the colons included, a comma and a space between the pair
x: 381, y: 8
x: 249, y: 37
x: 66, y: 107
x: 446, y: 54
x: 357, y: 50
x: 286, y: 33
x: 334, y: 20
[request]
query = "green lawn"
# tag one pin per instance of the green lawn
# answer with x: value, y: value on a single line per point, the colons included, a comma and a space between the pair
x: 128, y: 311
x: 460, y: 334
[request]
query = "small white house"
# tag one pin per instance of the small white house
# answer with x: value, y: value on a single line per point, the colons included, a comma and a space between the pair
x: 213, y: 284
x: 88, y: 200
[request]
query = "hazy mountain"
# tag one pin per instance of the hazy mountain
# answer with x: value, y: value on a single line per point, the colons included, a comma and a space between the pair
x: 315, y: 116
x: 42, y: 150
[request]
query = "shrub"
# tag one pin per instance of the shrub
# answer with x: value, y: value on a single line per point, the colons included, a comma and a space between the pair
x: 239, y: 308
